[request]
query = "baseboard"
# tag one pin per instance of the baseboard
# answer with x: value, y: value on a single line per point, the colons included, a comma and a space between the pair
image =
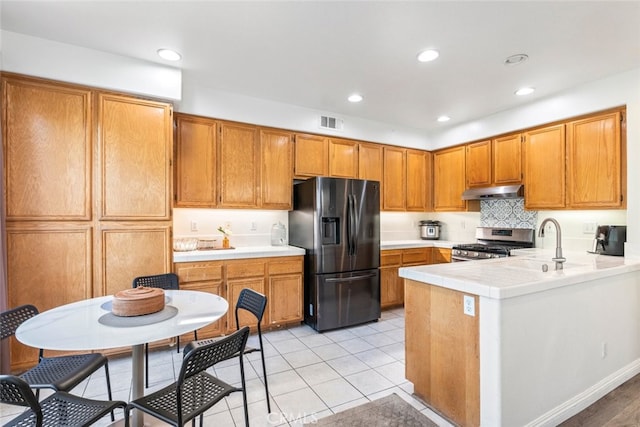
x: 583, y: 400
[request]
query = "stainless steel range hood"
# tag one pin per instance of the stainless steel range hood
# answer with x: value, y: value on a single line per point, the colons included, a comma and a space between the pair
x: 502, y: 192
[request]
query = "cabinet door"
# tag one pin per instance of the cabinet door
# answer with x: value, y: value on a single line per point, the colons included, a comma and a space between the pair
x: 394, y: 185
x: 449, y: 179
x: 370, y: 162
x: 135, y: 147
x: 391, y: 284
x: 311, y: 155
x: 507, y: 160
x: 594, y: 162
x: 234, y: 287
x: 343, y: 158
x: 277, y: 169
x: 544, y: 168
x: 440, y: 255
x: 285, y: 299
x: 49, y: 265
x: 218, y: 327
x: 419, y: 171
x: 238, y: 166
x: 47, y: 151
x: 478, y: 164
x: 127, y: 251
x: 195, y: 162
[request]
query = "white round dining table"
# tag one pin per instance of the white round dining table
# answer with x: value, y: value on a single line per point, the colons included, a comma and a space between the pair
x: 84, y: 325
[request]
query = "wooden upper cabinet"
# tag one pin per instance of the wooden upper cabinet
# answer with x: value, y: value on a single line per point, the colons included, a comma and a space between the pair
x: 47, y: 150
x: 394, y: 184
x: 544, y: 168
x: 277, y: 169
x: 311, y: 155
x: 507, y: 160
x: 418, y: 177
x: 195, y: 161
x: 478, y: 164
x: 343, y: 158
x: 134, y: 148
x: 449, y: 182
x: 238, y: 166
x: 594, y: 162
x: 370, y: 162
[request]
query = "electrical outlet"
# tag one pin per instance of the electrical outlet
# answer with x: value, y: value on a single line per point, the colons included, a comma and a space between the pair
x: 254, y: 226
x: 194, y: 226
x: 469, y: 305
x: 604, y: 350
x: 589, y: 228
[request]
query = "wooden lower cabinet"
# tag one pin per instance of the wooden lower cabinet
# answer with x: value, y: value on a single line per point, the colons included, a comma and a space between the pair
x: 391, y: 292
x: 391, y: 284
x: 440, y: 255
x: 443, y: 362
x: 279, y: 278
x: 204, y: 277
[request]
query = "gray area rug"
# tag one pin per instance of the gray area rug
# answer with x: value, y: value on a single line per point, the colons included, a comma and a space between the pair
x: 389, y: 411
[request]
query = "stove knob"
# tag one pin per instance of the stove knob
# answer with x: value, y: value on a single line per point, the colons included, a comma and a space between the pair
x: 474, y: 254
x: 464, y: 252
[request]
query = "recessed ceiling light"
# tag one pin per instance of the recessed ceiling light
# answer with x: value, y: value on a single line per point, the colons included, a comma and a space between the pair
x: 524, y: 91
x: 355, y: 97
x: 516, y: 59
x: 428, y: 55
x: 169, y: 55
x: 444, y: 118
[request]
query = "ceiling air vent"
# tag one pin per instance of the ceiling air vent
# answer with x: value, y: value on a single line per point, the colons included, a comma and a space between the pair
x: 333, y: 123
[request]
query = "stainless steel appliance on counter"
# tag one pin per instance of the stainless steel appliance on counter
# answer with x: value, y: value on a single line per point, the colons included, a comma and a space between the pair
x: 494, y: 242
x: 429, y: 229
x: 610, y: 240
x: 337, y: 222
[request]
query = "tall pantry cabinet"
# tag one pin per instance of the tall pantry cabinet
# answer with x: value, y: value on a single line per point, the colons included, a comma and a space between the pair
x: 87, y: 193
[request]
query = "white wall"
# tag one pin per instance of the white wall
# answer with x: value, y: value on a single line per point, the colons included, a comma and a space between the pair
x: 59, y: 61
x: 210, y: 102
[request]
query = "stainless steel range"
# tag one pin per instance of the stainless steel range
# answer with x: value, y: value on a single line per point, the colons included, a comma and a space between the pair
x: 494, y: 243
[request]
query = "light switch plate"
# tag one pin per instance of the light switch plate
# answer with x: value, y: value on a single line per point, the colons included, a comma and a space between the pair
x: 469, y: 305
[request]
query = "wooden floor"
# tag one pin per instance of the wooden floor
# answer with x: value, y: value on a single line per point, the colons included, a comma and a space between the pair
x: 621, y: 407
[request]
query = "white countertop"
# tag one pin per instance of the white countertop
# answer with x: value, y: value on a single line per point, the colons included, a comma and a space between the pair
x: 521, y: 274
x: 277, y: 251
x: 417, y: 243
x: 237, y: 253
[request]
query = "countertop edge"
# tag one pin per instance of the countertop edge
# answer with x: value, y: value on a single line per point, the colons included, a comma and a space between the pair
x: 447, y: 276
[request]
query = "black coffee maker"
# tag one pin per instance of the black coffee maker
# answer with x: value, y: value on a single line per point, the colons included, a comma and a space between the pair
x: 610, y: 240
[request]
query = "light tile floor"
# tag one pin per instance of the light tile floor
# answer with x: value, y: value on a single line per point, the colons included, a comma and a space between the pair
x: 311, y: 375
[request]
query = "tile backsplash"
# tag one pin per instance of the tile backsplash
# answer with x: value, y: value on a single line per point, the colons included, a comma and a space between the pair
x: 506, y: 213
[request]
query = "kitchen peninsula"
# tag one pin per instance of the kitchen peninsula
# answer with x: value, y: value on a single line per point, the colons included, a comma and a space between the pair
x: 503, y: 343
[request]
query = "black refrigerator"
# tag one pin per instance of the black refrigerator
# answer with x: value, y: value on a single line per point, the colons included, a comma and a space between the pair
x: 337, y: 222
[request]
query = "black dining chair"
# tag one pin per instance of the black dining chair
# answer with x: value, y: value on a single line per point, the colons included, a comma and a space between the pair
x: 196, y: 390
x: 58, y: 409
x: 61, y: 373
x: 255, y: 303
x: 168, y: 281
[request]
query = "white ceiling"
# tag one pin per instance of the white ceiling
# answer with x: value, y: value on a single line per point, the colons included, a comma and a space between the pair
x: 315, y: 53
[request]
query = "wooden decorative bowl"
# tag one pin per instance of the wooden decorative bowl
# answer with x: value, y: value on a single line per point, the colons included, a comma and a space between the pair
x: 137, y: 301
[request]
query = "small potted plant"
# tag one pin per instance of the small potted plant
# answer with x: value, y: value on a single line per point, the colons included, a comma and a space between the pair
x: 225, y: 240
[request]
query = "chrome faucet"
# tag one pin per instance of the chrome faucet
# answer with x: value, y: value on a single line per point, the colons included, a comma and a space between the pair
x: 559, y: 259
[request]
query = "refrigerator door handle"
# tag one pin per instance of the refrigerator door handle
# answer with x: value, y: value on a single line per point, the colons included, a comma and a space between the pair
x: 350, y: 279
x: 353, y: 233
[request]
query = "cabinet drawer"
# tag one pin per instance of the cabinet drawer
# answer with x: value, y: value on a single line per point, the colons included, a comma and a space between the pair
x: 198, y: 271
x: 388, y: 258
x: 285, y: 266
x: 244, y: 268
x: 416, y: 256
